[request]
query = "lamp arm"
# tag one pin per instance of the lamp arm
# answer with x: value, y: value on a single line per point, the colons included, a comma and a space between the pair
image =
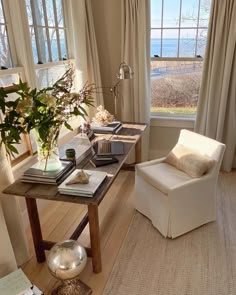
x: 114, y: 87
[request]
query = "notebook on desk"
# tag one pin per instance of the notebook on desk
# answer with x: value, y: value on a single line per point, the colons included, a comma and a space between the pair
x: 106, y: 147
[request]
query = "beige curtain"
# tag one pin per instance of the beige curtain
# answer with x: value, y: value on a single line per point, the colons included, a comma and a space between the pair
x: 7, y: 257
x: 135, y: 51
x: 216, y: 114
x: 13, y: 245
x: 84, y: 44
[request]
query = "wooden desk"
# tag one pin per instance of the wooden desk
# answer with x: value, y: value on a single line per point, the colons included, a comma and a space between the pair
x: 130, y: 134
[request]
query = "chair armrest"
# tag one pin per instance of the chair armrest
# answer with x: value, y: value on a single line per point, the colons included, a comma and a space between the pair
x: 149, y: 163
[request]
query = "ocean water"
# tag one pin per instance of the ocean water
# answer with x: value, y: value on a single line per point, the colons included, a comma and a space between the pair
x: 170, y: 47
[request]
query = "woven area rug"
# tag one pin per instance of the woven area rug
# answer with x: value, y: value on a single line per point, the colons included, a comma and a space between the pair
x: 202, y: 262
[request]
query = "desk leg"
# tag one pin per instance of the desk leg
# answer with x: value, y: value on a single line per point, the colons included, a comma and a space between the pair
x: 138, y: 151
x: 94, y: 238
x: 35, y: 229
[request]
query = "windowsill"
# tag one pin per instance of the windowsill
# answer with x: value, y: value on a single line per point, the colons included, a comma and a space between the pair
x: 172, y: 121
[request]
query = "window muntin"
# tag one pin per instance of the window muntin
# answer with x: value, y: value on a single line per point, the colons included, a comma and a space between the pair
x: 178, y: 41
x: 47, y: 30
x: 5, y: 54
x: 179, y: 20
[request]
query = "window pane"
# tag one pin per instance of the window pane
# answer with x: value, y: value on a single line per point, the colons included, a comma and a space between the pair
x: 1, y: 13
x: 5, y: 55
x: 170, y: 43
x: 59, y: 8
x: 156, y: 12
x: 34, y: 47
x: 46, y: 77
x: 204, y: 13
x: 155, y: 42
x: 8, y: 80
x: 50, y: 13
x: 171, y: 13
x: 63, y: 44
x: 201, y: 42
x: 189, y: 13
x: 43, y: 46
x: 54, y: 47
x: 29, y: 12
x: 187, y: 43
x: 38, y: 13
x: 175, y: 86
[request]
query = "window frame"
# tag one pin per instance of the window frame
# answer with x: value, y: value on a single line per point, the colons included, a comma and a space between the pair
x: 10, y: 38
x: 16, y: 56
x: 162, y: 115
x: 47, y: 27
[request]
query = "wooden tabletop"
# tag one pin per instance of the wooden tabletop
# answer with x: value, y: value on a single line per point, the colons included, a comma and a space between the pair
x: 130, y: 134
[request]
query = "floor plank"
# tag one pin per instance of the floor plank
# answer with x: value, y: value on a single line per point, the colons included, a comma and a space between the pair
x: 59, y: 220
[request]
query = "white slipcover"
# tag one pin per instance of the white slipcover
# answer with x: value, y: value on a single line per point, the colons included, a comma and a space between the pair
x: 175, y: 202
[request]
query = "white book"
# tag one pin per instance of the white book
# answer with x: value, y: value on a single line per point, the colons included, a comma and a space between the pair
x: 78, y: 194
x: 95, y: 179
x: 16, y: 283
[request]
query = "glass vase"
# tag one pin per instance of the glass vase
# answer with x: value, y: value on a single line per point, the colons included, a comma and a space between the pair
x: 47, y: 148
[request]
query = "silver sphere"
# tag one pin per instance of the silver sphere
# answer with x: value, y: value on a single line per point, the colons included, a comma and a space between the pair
x: 66, y: 260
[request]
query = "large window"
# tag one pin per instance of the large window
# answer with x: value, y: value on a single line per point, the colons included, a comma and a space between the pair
x: 178, y: 41
x: 47, y: 27
x: 47, y: 30
x: 5, y: 54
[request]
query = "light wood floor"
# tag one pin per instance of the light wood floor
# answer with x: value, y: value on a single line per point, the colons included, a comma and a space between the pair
x: 59, y: 220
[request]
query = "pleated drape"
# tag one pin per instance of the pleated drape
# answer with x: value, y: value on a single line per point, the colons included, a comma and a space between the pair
x: 216, y: 113
x: 13, y: 245
x: 135, y: 51
x: 85, y: 45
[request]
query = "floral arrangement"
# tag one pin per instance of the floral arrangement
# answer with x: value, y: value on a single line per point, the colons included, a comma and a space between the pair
x: 45, y: 111
x: 102, y: 117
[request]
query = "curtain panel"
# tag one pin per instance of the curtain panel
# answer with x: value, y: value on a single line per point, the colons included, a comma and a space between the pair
x: 216, y: 113
x: 135, y: 51
x: 13, y: 245
x: 84, y: 45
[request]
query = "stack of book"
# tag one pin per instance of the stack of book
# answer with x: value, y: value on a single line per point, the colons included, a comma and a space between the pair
x: 34, y: 175
x: 17, y: 283
x: 82, y: 146
x: 80, y: 189
x: 113, y: 128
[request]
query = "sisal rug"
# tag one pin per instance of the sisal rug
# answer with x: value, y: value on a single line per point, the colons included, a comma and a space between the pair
x: 202, y: 262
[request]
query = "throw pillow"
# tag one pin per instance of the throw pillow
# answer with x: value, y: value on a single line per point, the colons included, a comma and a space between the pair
x: 189, y: 161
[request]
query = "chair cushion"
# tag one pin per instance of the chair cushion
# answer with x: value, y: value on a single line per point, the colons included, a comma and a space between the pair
x: 189, y: 161
x: 162, y: 176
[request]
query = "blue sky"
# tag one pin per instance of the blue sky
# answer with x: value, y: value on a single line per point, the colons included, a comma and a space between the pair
x: 171, y: 16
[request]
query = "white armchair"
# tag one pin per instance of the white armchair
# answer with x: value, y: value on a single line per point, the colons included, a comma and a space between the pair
x: 174, y: 201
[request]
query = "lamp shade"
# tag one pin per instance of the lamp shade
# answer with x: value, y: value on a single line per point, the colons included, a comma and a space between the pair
x: 125, y: 72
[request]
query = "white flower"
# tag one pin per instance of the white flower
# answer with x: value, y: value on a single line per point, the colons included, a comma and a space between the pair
x: 24, y: 106
x: 48, y: 100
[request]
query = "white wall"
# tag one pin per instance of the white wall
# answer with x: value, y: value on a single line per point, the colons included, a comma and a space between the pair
x: 107, y: 19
